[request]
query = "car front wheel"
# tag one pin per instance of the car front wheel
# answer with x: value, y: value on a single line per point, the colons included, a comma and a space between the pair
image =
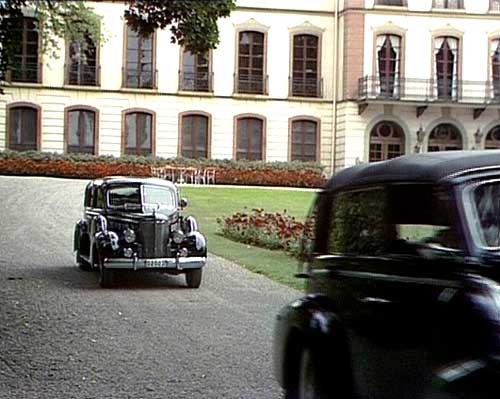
x: 193, y: 278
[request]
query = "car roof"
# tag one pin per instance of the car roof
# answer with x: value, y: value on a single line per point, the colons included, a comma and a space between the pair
x: 133, y: 180
x: 419, y: 168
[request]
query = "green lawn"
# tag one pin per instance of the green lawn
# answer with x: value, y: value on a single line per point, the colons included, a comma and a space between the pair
x: 209, y: 203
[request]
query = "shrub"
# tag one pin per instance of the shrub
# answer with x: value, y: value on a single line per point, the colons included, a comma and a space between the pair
x: 268, y: 230
x: 291, y: 174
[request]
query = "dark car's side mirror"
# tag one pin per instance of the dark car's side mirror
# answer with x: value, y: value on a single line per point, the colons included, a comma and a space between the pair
x: 183, y: 203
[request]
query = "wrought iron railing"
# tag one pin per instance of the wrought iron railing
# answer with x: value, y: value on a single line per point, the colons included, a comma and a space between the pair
x: 194, y: 81
x: 82, y: 75
x: 428, y: 90
x: 300, y: 87
x: 251, y: 84
x: 139, y: 79
x: 27, y: 73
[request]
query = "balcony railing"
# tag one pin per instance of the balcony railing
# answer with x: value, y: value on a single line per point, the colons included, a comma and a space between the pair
x: 193, y: 81
x: 299, y: 87
x: 251, y: 84
x: 27, y: 73
x: 139, y: 79
x: 428, y: 90
x: 82, y: 75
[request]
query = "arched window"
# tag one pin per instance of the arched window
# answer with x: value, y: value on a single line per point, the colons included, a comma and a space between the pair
x: 194, y: 136
x: 24, y: 121
x: 387, y: 140
x: 305, y: 66
x: 138, y: 133
x: 249, y: 138
x: 495, y: 68
x: 446, y: 61
x: 81, y: 130
x: 388, y: 64
x: 445, y: 137
x: 492, y: 141
x: 251, y: 63
x: 304, y: 140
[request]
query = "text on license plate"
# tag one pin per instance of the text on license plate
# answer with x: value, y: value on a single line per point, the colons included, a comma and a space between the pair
x: 156, y: 263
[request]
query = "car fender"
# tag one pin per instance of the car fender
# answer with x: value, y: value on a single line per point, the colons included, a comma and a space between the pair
x: 309, y: 322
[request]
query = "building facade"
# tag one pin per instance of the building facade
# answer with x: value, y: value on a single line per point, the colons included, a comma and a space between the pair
x: 334, y: 82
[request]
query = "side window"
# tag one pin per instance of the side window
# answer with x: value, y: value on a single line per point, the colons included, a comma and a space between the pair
x: 358, y: 223
x: 100, y: 198
x: 88, y: 190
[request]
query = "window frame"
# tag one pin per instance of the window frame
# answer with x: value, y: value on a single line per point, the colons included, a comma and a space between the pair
x: 182, y: 115
x: 124, y: 136
x: 441, y: 143
x: 318, y: 93
x: 69, y: 64
x: 306, y: 118
x: 263, y: 119
x: 378, y: 3
x: 387, y: 141
x: 85, y: 108
x: 125, y: 62
x: 23, y: 55
x: 494, y: 6
x: 265, y: 89
x: 182, y: 72
x: 456, y: 89
x: 24, y: 104
x: 460, y: 5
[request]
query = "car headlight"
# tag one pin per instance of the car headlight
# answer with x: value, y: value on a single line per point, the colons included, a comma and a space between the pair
x: 178, y: 236
x: 129, y: 235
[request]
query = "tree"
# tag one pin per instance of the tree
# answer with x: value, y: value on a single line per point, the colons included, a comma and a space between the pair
x: 193, y: 23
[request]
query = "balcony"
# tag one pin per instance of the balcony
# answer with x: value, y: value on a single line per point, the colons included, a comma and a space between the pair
x: 251, y: 84
x: 424, y: 92
x: 27, y: 73
x: 139, y: 79
x: 303, y: 87
x: 192, y: 81
x: 82, y: 75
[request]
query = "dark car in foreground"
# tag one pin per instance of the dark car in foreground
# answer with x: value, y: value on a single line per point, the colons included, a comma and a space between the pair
x: 137, y: 224
x: 403, y: 294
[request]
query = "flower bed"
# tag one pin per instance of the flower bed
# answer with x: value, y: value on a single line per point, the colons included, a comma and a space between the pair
x: 267, y: 230
x: 289, y: 174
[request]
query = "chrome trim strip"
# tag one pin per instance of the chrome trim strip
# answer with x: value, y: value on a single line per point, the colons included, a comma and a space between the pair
x: 390, y: 278
x: 194, y: 262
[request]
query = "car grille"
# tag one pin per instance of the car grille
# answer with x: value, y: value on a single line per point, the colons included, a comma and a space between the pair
x: 153, y: 237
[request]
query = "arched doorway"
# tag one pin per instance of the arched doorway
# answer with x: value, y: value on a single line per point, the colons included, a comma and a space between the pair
x: 387, y: 140
x: 492, y: 141
x: 445, y: 137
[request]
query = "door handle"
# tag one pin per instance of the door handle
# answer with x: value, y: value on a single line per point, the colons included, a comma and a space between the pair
x: 371, y: 299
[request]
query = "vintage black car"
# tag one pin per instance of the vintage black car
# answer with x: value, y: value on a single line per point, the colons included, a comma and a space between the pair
x: 403, y: 294
x: 136, y: 224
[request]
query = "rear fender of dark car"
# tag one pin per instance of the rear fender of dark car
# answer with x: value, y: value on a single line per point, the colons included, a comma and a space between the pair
x: 312, y: 323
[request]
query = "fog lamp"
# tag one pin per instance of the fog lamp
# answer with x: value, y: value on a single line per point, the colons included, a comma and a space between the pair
x: 183, y: 252
x: 129, y: 235
x: 128, y: 252
x: 178, y: 236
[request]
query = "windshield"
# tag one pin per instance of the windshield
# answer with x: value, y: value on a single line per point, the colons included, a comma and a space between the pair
x: 153, y: 198
x: 486, y: 213
x: 159, y: 197
x: 123, y: 196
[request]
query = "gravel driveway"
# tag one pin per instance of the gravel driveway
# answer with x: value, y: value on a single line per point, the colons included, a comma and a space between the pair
x: 63, y: 337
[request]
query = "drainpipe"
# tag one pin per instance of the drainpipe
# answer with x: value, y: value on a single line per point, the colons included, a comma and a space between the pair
x: 335, y: 85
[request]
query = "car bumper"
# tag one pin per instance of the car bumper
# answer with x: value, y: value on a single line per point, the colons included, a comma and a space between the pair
x: 187, y: 263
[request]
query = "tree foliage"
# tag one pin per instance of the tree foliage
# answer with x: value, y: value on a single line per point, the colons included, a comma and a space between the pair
x: 193, y: 23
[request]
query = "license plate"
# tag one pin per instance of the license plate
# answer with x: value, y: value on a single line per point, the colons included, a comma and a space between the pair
x: 156, y: 263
